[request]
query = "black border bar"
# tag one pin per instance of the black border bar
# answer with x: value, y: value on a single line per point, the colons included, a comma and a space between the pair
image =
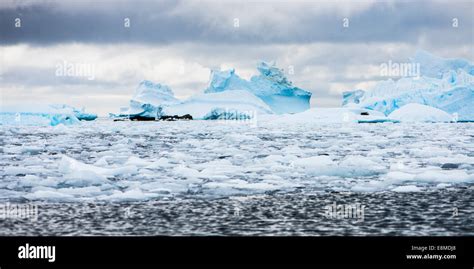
x: 238, y: 250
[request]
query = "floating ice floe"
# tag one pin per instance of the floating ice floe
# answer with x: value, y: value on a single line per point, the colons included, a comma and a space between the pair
x: 407, y: 188
x: 396, y: 179
x: 81, y: 174
x: 352, y: 166
x: 446, y: 84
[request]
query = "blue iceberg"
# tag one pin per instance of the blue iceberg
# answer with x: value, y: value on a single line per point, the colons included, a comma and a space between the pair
x: 435, y: 67
x: 352, y: 97
x: 40, y: 116
x: 148, y: 101
x: 79, y: 113
x: 445, y: 84
x: 227, y: 97
x: 271, y: 86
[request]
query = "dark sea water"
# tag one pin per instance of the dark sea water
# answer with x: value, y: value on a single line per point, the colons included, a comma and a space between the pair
x: 301, y: 213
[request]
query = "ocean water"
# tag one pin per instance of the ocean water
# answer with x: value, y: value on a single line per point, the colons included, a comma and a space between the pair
x: 299, y: 213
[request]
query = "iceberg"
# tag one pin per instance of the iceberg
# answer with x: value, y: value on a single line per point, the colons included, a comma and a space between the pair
x: 227, y: 97
x: 38, y: 115
x: 435, y: 67
x: 148, y: 101
x: 271, y: 86
x: 445, y: 84
x: 352, y: 97
x: 154, y: 101
x: 79, y: 113
x: 419, y: 113
x: 42, y: 115
x: 153, y: 93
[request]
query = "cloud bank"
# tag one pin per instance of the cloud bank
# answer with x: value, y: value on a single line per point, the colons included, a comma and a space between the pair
x: 178, y: 42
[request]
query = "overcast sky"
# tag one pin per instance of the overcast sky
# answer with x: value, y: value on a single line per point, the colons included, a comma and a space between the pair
x: 178, y: 42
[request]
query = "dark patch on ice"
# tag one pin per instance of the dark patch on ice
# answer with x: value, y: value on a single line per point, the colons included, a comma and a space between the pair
x: 448, y: 166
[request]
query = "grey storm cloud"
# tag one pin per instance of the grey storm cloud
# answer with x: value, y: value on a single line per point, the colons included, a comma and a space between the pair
x: 263, y: 22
